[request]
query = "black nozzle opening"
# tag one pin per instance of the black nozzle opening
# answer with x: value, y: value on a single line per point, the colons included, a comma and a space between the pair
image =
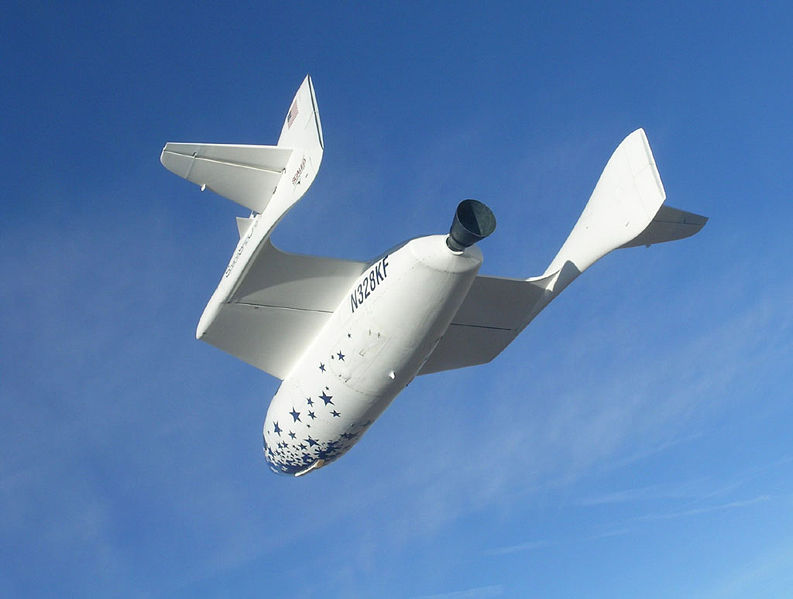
x: 473, y: 221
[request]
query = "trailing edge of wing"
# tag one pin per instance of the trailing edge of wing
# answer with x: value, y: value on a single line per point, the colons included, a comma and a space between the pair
x: 493, y: 313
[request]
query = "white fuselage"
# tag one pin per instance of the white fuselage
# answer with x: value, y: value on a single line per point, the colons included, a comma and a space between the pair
x: 378, y: 338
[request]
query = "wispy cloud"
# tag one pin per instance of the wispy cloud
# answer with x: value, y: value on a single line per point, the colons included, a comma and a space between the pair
x: 543, y: 544
x: 484, y: 592
x: 730, y: 505
x: 519, y: 548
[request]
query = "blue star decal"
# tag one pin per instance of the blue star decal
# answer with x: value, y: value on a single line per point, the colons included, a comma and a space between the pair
x: 341, y: 356
x: 295, y: 415
x: 326, y: 398
x: 335, y: 414
x: 322, y: 367
x: 309, y: 401
x: 291, y: 435
x: 312, y: 415
x: 277, y: 429
x: 311, y: 442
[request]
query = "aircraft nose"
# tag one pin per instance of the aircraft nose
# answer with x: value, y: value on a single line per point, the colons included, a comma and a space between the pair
x: 274, y: 456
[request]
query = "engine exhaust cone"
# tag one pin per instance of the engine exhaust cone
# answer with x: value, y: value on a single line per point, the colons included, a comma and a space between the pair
x: 473, y: 221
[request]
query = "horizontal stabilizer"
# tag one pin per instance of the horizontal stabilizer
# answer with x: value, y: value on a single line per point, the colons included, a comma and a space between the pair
x: 247, y: 175
x: 670, y: 224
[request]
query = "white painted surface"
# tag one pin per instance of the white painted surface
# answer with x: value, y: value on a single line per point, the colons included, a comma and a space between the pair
x: 346, y: 337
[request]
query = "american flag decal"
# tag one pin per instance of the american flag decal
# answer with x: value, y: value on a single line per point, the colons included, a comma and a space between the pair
x: 290, y: 118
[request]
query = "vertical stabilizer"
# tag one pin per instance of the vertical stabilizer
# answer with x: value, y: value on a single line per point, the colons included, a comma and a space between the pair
x: 627, y: 197
x: 301, y: 133
x: 302, y: 127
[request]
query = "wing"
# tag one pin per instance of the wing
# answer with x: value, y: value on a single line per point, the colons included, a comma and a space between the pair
x: 279, y: 306
x: 495, y: 311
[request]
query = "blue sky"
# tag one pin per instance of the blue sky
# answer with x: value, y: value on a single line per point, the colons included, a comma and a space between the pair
x: 634, y: 441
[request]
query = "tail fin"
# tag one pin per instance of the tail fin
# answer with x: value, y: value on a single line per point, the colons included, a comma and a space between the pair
x: 626, y: 209
x: 302, y: 132
x: 302, y: 127
x: 258, y: 177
